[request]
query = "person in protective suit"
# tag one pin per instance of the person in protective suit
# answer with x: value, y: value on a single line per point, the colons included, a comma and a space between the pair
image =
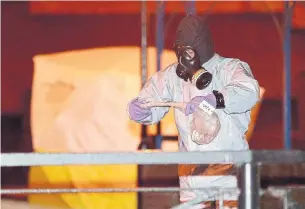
x: 201, y: 76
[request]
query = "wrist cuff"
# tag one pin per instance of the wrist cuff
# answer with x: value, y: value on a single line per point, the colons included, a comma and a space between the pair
x: 220, y: 102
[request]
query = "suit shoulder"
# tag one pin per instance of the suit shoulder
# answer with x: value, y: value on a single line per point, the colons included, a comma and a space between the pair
x: 170, y: 68
x: 235, y: 61
x: 237, y: 64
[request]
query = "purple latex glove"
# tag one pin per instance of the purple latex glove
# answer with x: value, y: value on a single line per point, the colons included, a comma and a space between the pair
x: 195, y: 102
x: 136, y: 112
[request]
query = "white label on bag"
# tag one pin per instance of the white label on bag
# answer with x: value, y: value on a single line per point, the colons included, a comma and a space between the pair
x: 206, y: 107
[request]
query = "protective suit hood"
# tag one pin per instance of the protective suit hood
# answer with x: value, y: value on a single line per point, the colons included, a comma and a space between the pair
x: 193, y: 31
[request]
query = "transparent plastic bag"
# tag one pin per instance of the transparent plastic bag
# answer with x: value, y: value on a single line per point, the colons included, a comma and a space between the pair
x: 204, y: 126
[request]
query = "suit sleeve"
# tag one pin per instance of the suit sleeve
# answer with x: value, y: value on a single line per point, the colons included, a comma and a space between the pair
x: 241, y: 91
x: 157, y: 88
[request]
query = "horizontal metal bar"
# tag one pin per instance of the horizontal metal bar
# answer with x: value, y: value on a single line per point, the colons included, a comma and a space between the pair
x: 151, y: 157
x: 146, y: 157
x: 283, y: 156
x: 169, y: 138
x: 115, y: 190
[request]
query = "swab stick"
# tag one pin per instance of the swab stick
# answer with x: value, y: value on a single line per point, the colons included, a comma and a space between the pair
x: 163, y: 104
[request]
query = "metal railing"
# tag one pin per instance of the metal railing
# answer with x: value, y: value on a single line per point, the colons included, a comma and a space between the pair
x: 249, y: 188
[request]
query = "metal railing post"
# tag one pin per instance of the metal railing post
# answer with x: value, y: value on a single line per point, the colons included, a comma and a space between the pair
x: 288, y: 13
x: 249, y: 183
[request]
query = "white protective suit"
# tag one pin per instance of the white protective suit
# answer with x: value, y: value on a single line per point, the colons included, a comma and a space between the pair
x: 234, y: 79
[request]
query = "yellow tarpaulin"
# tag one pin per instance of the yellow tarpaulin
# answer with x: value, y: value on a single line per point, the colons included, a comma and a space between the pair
x: 85, y: 177
x: 79, y: 105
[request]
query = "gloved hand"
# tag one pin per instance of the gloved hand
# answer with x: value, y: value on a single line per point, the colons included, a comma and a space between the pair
x: 195, y: 102
x: 136, y: 112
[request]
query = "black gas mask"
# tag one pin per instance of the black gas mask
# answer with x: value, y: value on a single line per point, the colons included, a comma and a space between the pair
x: 189, y: 68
